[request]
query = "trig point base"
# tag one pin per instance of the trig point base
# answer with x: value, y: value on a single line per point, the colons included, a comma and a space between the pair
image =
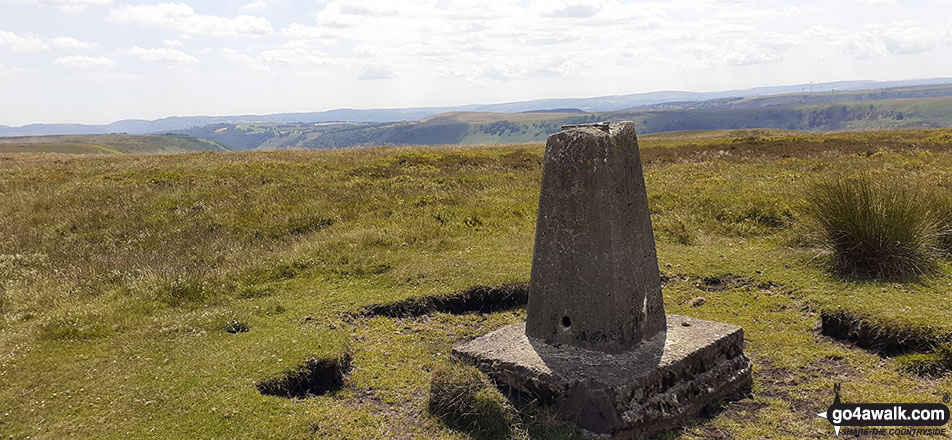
x: 596, y: 344
x: 636, y: 394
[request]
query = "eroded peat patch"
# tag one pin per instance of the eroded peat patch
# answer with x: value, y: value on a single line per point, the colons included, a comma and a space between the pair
x: 478, y: 299
x: 916, y: 350
x: 314, y: 377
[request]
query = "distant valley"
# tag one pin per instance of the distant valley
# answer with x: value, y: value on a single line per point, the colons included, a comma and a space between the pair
x: 906, y: 105
x: 910, y: 107
x: 591, y: 105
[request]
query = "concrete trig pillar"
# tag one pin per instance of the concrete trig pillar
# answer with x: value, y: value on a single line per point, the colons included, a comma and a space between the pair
x: 595, y: 281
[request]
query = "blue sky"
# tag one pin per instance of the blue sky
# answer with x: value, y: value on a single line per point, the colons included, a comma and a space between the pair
x: 96, y: 61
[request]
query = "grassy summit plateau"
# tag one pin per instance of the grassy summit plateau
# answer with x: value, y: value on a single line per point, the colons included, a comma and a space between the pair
x: 149, y: 296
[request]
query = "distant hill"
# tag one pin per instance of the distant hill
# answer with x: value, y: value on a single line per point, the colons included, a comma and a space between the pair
x: 599, y: 104
x: 557, y: 110
x: 856, y: 112
x: 107, y: 144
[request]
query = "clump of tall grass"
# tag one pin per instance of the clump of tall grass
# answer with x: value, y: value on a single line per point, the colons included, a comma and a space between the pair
x: 876, y: 228
x: 942, y: 205
x: 465, y: 399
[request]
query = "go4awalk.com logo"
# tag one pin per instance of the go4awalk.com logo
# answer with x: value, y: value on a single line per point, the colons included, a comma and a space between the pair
x: 909, y: 419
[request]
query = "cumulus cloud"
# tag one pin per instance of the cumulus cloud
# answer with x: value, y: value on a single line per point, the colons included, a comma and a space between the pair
x: 254, y: 5
x: 556, y: 66
x: 22, y: 43
x: 297, y: 52
x: 297, y: 31
x: 181, y: 17
x: 66, y: 5
x: 573, y: 9
x: 737, y: 52
x: 82, y: 61
x: 163, y: 55
x: 377, y: 72
x: 33, y: 43
x: 744, y: 51
x: 904, y: 38
x: 72, y: 43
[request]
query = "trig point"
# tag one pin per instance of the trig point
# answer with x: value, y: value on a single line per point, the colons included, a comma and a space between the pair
x: 595, y: 281
x: 596, y: 344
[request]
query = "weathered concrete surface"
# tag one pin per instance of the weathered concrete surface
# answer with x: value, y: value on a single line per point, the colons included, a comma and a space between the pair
x: 635, y: 394
x: 595, y: 281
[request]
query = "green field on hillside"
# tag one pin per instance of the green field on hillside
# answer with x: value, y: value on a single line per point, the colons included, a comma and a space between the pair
x: 106, y: 144
x: 475, y: 128
x: 123, y: 277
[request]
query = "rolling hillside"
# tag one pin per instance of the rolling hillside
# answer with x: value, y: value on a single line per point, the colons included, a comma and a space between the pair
x: 659, y: 99
x: 107, y: 144
x: 858, y: 111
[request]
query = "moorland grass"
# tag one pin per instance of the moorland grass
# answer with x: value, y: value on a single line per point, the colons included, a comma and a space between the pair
x: 876, y: 228
x: 466, y: 399
x: 119, y: 276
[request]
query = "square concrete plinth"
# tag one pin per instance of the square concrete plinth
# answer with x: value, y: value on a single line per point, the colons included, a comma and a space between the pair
x: 635, y: 394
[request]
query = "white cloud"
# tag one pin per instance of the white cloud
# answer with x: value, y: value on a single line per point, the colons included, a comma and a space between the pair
x: 366, y: 8
x: 33, y: 43
x: 377, y: 72
x: 298, y: 52
x: 820, y: 31
x: 744, y: 51
x: 877, y: 2
x: 6, y: 72
x: 66, y: 5
x: 22, y: 43
x: 573, y: 9
x: 181, y: 17
x: 297, y: 31
x: 904, y: 39
x: 254, y: 5
x: 637, y: 55
x: 738, y: 52
x: 172, y: 43
x: 82, y: 61
x: 72, y: 43
x: 898, y: 39
x: 247, y: 61
x: 548, y: 67
x: 162, y: 55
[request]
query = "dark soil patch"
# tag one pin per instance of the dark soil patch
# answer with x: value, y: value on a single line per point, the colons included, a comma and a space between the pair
x: 236, y: 327
x: 884, y: 339
x: 314, y: 378
x: 481, y: 299
x: 724, y: 282
x: 716, y: 283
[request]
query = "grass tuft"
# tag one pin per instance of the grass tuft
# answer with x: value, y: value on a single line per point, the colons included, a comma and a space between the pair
x: 933, y: 364
x: 466, y: 400
x: 73, y: 326
x: 875, y: 229
x: 675, y: 229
